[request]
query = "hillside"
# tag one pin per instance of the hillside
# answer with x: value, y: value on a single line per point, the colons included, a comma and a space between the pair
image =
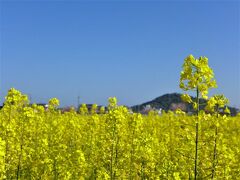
x: 173, y: 101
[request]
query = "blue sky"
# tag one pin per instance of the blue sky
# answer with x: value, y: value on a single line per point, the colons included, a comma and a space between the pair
x: 131, y: 50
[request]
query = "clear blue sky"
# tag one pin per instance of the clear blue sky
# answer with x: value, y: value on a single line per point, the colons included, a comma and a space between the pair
x: 131, y: 50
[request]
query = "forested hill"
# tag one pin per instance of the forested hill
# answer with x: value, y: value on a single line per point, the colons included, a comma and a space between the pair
x: 171, y: 102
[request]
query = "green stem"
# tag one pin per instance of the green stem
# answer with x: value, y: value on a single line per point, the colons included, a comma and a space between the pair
x: 196, y: 139
x: 112, y: 149
x: 21, y: 149
x: 215, y: 154
x: 215, y: 148
x: 132, y: 152
x: 7, y: 145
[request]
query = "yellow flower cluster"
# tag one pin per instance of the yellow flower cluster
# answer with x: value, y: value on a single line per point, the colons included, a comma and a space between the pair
x: 197, y: 74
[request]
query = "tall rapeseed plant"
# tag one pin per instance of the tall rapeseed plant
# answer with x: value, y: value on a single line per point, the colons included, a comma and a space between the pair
x: 199, y: 77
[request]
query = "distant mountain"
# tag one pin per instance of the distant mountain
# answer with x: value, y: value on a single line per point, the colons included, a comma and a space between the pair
x: 172, y: 102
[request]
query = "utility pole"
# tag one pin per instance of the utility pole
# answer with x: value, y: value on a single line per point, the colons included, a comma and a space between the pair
x: 78, y: 101
x: 30, y: 98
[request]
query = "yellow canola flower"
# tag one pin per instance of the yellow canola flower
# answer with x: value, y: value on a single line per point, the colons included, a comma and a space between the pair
x: 186, y: 98
x: 227, y: 110
x: 28, y: 112
x: 217, y: 101
x: 15, y: 97
x: 197, y: 74
x: 54, y: 102
x: 211, y: 104
x: 195, y: 105
x: 112, y: 102
x: 83, y: 109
